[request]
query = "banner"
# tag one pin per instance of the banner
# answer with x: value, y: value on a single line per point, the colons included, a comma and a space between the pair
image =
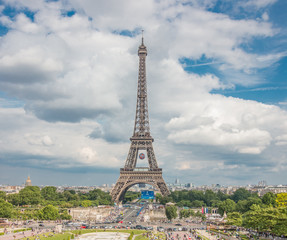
x: 147, y: 194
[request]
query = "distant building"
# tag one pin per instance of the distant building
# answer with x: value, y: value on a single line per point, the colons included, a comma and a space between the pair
x: 188, y: 185
x: 28, y: 182
x: 141, y: 185
x: 262, y: 183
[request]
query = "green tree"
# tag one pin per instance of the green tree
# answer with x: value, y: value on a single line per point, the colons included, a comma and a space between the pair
x: 269, y: 198
x: 83, y: 196
x: 240, y: 194
x: 221, y: 196
x: 6, y: 209
x: 14, y: 199
x: 242, y: 206
x: 50, y: 193
x: 192, y: 213
x: 86, y: 203
x: 65, y: 215
x: 68, y: 196
x: 186, y: 213
x: 260, y: 219
x: 164, y: 200
x: 215, y: 203
x: 195, y: 195
x: 28, y: 214
x: 158, y: 196
x: 95, y: 203
x: 75, y: 203
x: 72, y: 192
x: 253, y: 200
x: 178, y: 196
x: 266, y: 219
x: 65, y: 204
x: 234, y: 219
x: 130, y: 196
x: 102, y: 197
x: 198, y: 214
x: 209, y: 196
x: 198, y: 203
x: 226, y: 206
x: 184, y: 203
x: 30, y: 195
x: 281, y: 199
x: 2, y: 195
x: 252, y: 218
x: 104, y: 201
x: 171, y: 212
x: 49, y: 213
x: 281, y: 222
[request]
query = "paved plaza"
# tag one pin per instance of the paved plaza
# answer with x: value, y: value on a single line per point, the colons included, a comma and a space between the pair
x: 105, y: 235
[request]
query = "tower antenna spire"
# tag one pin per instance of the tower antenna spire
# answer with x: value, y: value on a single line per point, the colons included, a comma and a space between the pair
x: 142, y: 37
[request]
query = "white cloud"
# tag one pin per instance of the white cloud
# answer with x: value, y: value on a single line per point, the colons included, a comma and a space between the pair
x: 259, y: 3
x: 244, y: 126
x: 265, y: 16
x: 36, y: 139
x: 239, y: 140
x: 281, y: 140
x: 113, y: 15
x: 61, y: 144
x: 88, y: 155
x: 47, y: 141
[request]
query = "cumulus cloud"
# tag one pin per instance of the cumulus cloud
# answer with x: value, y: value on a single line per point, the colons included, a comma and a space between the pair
x: 244, y: 125
x: 63, y: 145
x: 259, y: 3
x: 281, y: 140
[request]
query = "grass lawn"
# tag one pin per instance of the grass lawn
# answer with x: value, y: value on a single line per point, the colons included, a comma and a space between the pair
x: 48, y: 236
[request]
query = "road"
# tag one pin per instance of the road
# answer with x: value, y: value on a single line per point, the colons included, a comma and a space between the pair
x: 130, y: 215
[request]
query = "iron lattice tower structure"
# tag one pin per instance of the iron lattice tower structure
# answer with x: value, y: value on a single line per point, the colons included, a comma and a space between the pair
x: 140, y: 141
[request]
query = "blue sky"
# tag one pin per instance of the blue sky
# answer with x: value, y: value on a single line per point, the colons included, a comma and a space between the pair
x: 216, y: 73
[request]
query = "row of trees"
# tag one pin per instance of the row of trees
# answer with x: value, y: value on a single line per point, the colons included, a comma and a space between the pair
x: 263, y: 219
x: 268, y: 217
x: 32, y: 195
x: 241, y: 200
x: 244, y: 205
x: 265, y: 214
x: 48, y: 212
x: 208, y: 198
x: 47, y: 203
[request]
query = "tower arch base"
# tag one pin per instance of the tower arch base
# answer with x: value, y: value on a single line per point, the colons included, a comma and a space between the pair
x: 129, y: 178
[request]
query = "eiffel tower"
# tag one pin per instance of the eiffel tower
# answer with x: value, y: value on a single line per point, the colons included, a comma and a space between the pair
x: 141, y: 144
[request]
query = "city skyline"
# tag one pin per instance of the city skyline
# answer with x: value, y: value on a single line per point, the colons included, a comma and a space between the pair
x: 216, y: 76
